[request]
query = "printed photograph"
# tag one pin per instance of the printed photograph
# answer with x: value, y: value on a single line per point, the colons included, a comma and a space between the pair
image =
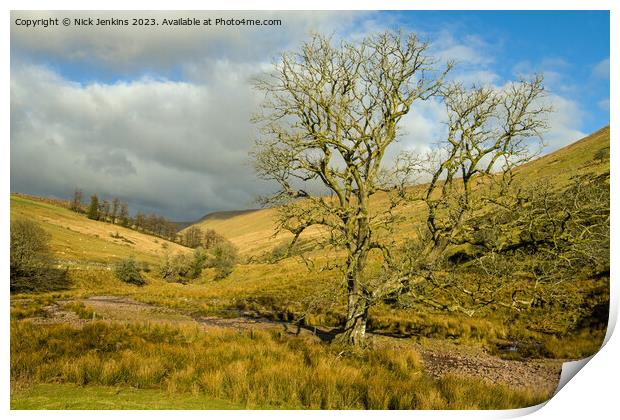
x: 326, y: 210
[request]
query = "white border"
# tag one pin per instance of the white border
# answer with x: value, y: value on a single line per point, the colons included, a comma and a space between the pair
x: 593, y: 393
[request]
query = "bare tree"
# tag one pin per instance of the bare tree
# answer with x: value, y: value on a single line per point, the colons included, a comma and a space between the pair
x: 124, y: 214
x: 211, y: 239
x: 140, y: 221
x: 486, y: 238
x: 491, y: 132
x: 104, y: 210
x: 76, y: 202
x: 116, y: 203
x: 192, y: 237
x: 330, y: 115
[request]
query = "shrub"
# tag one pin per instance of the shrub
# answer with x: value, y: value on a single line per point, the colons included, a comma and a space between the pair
x: 278, y: 252
x: 129, y: 272
x: 181, y: 268
x: 602, y: 154
x: 175, y: 268
x: 31, y: 260
x: 198, y: 262
x: 224, y: 258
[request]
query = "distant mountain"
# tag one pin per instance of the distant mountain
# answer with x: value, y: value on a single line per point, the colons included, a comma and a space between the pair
x: 225, y: 215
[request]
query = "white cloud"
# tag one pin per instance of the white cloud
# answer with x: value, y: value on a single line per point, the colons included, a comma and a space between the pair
x: 564, y: 123
x: 604, y: 104
x: 470, y: 50
x: 423, y: 126
x: 148, y: 139
x: 601, y: 69
x: 185, y: 137
x: 478, y: 77
x: 554, y: 71
x: 177, y: 146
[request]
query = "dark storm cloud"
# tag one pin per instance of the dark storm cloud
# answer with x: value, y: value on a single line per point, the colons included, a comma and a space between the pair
x: 112, y: 163
x: 174, y: 146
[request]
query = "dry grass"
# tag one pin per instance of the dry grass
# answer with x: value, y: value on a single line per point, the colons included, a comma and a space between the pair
x: 81, y: 310
x: 253, y: 368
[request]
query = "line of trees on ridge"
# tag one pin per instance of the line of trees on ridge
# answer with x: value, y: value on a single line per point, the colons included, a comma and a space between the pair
x: 116, y: 211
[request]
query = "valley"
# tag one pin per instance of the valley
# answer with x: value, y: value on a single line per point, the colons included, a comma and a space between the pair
x: 262, y: 336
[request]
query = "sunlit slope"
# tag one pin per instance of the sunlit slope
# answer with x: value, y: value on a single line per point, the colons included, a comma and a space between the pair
x: 253, y: 232
x: 75, y: 239
x: 576, y: 158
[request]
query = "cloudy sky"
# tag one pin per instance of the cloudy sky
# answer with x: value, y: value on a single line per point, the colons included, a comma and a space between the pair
x: 160, y: 117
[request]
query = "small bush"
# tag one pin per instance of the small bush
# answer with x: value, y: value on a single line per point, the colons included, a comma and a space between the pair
x: 181, y: 268
x: 278, y: 253
x: 198, y: 262
x: 128, y: 271
x: 602, y: 154
x: 175, y: 268
x: 31, y: 260
x: 224, y: 258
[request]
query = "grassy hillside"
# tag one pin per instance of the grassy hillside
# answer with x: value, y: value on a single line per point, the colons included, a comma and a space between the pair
x: 77, y: 240
x: 274, y: 290
x: 254, y: 231
x: 279, y: 287
x: 250, y: 232
x: 576, y: 158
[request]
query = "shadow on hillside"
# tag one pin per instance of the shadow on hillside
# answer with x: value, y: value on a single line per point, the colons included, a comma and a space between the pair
x: 325, y: 334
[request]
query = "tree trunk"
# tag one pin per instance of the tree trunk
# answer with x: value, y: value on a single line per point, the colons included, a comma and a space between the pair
x: 357, y: 312
x: 358, y: 297
x: 357, y: 318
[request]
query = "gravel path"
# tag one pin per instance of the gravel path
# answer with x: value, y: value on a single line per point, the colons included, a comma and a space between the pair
x: 539, y: 374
